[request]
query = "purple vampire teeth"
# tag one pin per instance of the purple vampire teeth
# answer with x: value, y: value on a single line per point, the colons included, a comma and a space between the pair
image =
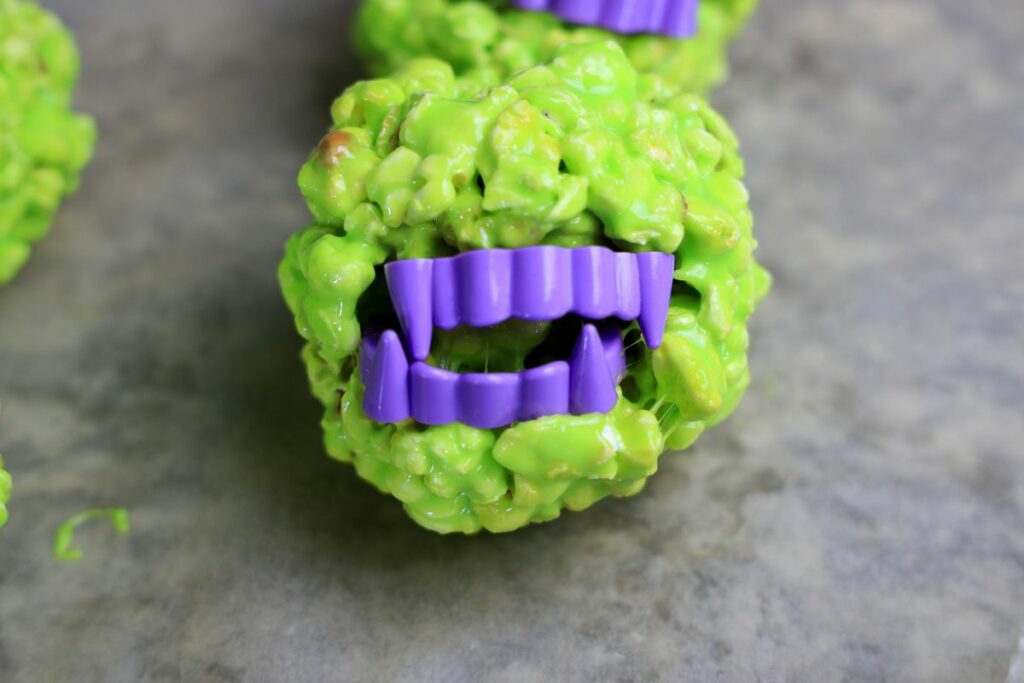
x: 487, y: 287
x: 672, y: 18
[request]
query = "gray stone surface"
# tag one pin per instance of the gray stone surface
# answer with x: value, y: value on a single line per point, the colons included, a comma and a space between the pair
x: 860, y: 520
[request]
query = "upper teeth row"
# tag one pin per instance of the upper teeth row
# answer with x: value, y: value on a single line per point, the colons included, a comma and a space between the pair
x: 489, y: 286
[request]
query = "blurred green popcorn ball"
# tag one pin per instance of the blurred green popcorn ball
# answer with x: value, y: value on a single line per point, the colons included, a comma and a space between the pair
x: 5, y: 492
x: 579, y: 151
x: 487, y: 42
x: 43, y: 144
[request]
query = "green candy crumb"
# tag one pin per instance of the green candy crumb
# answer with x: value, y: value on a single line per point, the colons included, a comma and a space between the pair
x: 64, y: 537
x: 44, y: 145
x: 576, y: 151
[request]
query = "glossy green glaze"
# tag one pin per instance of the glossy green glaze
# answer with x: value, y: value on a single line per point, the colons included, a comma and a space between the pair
x: 579, y: 151
x: 486, y: 42
x: 43, y: 144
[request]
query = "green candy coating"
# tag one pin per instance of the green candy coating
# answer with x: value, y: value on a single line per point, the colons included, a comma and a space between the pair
x: 43, y: 144
x: 578, y: 151
x: 486, y: 42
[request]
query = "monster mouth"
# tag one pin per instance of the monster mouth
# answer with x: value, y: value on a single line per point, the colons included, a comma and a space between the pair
x: 602, y: 288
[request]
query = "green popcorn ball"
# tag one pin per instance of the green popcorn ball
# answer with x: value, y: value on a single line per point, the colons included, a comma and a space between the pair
x: 43, y: 144
x: 487, y: 42
x: 5, y: 492
x: 573, y: 152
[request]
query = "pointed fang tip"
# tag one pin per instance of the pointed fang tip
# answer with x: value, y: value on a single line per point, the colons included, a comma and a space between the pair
x: 656, y: 273
x: 591, y: 385
x: 409, y: 283
x: 387, y: 391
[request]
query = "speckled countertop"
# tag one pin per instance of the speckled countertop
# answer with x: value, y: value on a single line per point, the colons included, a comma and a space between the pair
x: 860, y: 520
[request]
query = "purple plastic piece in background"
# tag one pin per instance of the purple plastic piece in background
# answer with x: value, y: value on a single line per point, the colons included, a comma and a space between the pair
x: 672, y: 18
